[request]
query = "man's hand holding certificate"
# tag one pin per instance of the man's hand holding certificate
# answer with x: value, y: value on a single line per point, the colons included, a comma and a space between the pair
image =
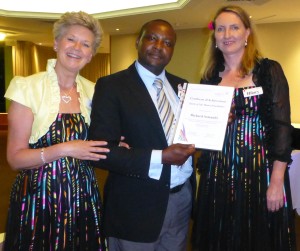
x: 204, y: 116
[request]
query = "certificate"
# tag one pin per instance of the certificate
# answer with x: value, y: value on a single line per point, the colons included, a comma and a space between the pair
x: 204, y: 116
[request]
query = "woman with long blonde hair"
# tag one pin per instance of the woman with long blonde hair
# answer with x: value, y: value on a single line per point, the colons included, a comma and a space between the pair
x: 244, y: 200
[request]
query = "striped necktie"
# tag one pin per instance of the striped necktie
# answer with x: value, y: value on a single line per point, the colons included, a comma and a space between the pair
x: 164, y: 108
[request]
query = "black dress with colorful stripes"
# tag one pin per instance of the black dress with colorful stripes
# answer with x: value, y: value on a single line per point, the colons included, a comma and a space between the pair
x: 56, y: 206
x: 231, y: 213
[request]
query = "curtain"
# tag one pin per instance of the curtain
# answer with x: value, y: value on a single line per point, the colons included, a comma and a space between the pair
x: 22, y: 52
x: 98, y: 67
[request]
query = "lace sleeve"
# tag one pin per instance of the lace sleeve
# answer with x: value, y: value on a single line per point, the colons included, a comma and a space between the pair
x: 281, y: 132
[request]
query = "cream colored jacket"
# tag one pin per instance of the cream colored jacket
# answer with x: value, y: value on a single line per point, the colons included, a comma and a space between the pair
x: 40, y: 92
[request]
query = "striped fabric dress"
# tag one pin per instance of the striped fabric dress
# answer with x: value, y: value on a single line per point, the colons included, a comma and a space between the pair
x: 231, y: 213
x: 57, y: 206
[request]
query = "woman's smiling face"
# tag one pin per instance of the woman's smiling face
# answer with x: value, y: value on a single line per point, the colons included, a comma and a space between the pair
x: 75, y: 47
x: 230, y: 33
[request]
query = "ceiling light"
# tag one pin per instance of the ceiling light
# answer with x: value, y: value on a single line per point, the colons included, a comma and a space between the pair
x: 2, y: 36
x: 88, y: 6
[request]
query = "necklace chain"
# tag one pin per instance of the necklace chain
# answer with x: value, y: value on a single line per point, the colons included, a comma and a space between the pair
x: 66, y: 97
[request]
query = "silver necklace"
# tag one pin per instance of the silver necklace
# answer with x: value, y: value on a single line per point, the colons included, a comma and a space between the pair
x: 66, y: 97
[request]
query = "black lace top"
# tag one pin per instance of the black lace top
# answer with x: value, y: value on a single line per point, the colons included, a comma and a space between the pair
x: 274, y: 107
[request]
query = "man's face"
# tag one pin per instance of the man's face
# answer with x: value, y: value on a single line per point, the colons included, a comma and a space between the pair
x: 155, y: 46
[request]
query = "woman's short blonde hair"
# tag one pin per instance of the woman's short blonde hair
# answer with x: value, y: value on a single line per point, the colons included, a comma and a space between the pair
x: 78, y: 18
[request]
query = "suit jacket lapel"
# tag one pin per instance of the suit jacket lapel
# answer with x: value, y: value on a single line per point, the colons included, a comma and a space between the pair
x: 143, y: 98
x: 172, y: 82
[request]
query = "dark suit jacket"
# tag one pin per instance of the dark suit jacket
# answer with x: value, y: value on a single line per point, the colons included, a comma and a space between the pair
x: 134, y: 204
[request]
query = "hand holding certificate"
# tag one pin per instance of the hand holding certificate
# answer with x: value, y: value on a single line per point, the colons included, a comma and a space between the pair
x: 204, y: 116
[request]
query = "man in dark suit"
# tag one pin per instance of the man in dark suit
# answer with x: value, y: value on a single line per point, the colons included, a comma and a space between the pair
x: 148, y: 193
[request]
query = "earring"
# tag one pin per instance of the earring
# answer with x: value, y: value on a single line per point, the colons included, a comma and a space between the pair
x: 55, y: 48
x: 246, y: 43
x: 216, y: 46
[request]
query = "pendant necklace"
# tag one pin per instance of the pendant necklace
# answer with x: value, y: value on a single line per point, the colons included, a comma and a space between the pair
x: 66, y: 97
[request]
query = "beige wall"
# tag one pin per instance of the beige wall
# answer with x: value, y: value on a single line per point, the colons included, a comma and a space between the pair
x: 123, y: 52
x: 279, y: 41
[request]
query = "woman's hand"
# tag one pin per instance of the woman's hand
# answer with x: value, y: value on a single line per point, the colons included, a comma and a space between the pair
x: 275, y: 193
x: 86, y: 150
x: 231, y: 116
x: 89, y: 150
x: 275, y: 196
x: 123, y: 144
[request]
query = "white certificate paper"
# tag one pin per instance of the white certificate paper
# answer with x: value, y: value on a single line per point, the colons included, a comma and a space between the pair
x: 204, y: 116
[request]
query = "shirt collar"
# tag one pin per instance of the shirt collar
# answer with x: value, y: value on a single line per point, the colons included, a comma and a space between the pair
x: 147, y: 76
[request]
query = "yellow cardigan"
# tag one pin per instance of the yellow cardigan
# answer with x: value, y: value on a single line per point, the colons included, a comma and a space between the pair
x: 40, y: 92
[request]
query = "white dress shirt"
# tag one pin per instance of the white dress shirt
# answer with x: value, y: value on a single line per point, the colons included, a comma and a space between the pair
x: 179, y: 174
